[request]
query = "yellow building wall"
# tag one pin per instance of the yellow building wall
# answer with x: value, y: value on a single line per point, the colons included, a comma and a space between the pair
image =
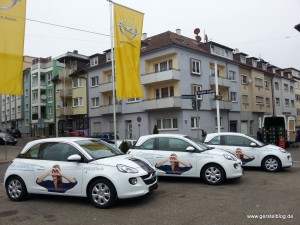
x: 77, y: 93
x: 149, y: 64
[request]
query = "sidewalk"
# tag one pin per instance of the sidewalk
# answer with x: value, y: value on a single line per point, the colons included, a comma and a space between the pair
x: 9, y: 152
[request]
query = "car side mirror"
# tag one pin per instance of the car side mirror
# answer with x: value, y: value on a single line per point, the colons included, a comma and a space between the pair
x: 253, y: 144
x: 190, y: 149
x: 74, y: 158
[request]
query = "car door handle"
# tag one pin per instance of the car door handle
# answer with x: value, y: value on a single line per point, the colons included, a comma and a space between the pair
x: 40, y: 168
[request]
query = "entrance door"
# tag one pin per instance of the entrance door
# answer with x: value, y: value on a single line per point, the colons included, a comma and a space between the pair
x: 244, y: 127
x: 291, y: 129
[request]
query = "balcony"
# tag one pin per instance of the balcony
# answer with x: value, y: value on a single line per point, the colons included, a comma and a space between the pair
x: 223, y: 105
x: 64, y: 111
x: 168, y: 75
x: 221, y: 81
x: 65, y: 92
x: 162, y: 103
x: 105, y: 87
x: 65, y: 73
x: 108, y: 109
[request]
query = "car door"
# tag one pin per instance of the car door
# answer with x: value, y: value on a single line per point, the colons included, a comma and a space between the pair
x: 145, y: 150
x: 54, y: 173
x: 241, y: 147
x: 172, y: 159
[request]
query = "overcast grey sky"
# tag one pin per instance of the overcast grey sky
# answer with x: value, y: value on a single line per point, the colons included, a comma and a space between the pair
x: 260, y: 28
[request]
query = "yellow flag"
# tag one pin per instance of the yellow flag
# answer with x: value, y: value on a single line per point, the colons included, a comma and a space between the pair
x: 12, y: 28
x: 128, y: 25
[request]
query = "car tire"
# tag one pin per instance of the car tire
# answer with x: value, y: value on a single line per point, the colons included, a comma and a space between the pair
x: 102, y: 193
x: 16, y: 189
x: 213, y: 174
x: 271, y: 164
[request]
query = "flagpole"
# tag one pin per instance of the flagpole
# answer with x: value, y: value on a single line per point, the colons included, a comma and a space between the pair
x: 113, y: 70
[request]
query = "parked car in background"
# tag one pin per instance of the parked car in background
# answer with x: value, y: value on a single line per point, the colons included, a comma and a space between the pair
x: 106, y: 136
x: 6, y: 138
x: 251, y: 151
x: 181, y: 155
x: 130, y: 143
x: 76, y: 166
x: 76, y: 134
x: 15, y: 132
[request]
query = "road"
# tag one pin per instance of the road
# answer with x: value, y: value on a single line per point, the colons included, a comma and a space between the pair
x: 176, y: 201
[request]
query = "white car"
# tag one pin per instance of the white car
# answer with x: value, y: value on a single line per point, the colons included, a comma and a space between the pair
x: 251, y: 151
x: 181, y: 155
x: 77, y: 166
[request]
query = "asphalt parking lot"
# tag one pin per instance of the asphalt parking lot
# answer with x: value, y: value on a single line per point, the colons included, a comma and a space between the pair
x: 257, y: 198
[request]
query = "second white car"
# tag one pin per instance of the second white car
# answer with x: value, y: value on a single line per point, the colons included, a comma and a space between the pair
x: 181, y: 155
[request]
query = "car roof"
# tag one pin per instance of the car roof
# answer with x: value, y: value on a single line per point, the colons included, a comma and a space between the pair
x: 212, y: 135
x: 60, y: 139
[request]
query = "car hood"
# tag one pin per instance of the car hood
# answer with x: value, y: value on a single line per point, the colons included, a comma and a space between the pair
x: 271, y: 147
x: 128, y: 160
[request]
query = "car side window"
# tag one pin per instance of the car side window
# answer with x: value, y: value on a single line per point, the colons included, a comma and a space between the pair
x: 178, y: 145
x: 215, y: 141
x: 236, y: 141
x: 57, y: 151
x: 32, y: 153
x: 148, y: 145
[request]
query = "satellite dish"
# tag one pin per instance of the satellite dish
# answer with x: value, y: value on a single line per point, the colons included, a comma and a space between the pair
x: 43, y: 97
x: 197, y: 31
x: 236, y: 50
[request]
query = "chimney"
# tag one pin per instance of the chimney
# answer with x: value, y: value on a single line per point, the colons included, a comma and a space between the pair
x: 178, y: 31
x: 75, y: 51
x: 144, y: 37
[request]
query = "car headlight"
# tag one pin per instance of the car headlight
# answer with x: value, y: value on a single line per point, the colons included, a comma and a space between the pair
x: 126, y: 169
x: 282, y: 150
x: 230, y: 157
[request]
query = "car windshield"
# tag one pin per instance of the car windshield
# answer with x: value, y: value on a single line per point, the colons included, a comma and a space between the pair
x: 199, y: 143
x: 98, y: 149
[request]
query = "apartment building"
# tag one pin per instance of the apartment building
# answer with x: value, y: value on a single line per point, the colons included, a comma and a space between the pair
x: 43, y: 70
x: 71, y: 94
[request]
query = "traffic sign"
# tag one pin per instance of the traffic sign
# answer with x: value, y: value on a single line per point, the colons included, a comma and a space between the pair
x: 188, y: 96
x: 203, y: 92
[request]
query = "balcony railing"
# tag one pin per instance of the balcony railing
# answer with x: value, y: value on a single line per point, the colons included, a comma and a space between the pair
x: 65, y: 92
x: 162, y: 103
x: 223, y: 105
x: 221, y: 81
x: 105, y: 87
x: 64, y: 111
x: 108, y: 109
x: 160, y: 76
x: 65, y: 73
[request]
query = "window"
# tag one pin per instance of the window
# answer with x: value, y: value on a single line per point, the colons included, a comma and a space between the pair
x: 233, y: 96
x: 108, y: 56
x: 50, y: 110
x: 245, y: 99
x: 221, y: 121
x: 195, y: 122
x: 26, y: 92
x: 254, y: 63
x: 50, y: 95
x: 268, y: 101
x: 287, y: 102
x: 243, y: 59
x: 267, y: 84
x: 77, y: 82
x: 264, y: 66
x: 236, y: 141
x: 291, y: 89
x: 197, y: 88
x: 259, y: 100
x: 148, y: 145
x: 49, y: 75
x: 26, y: 122
x: 133, y: 100
x: 57, y: 151
x: 172, y: 144
x: 221, y: 52
x: 286, y: 87
x: 164, y: 92
x: 258, y: 82
x: 244, y: 79
x: 165, y: 124
x: 232, y: 75
x: 26, y: 107
x: 277, y: 101
x: 95, y: 81
x: 212, y: 72
x: 276, y: 86
x: 292, y: 103
x: 19, y: 109
x: 196, y: 67
x: 163, y: 66
x: 94, y: 61
x: 32, y: 153
x: 297, y: 96
x: 95, y: 102
x: 77, y: 102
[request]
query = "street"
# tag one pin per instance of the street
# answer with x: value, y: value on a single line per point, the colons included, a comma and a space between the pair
x: 271, y: 197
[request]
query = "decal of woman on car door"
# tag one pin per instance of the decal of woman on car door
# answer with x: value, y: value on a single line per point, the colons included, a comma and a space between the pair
x: 56, y: 184
x: 243, y: 157
x: 173, y: 166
